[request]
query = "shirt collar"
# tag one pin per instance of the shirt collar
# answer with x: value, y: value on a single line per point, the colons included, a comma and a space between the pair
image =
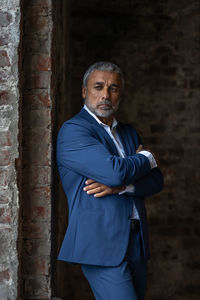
x: 114, y: 124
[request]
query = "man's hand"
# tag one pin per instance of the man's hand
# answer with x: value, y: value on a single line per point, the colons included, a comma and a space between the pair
x: 140, y: 148
x: 99, y: 190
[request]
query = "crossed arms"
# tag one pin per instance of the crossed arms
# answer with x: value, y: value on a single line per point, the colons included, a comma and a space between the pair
x: 99, y: 190
x: 79, y: 150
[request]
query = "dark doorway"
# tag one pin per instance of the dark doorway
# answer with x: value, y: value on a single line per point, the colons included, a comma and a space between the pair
x: 141, y: 38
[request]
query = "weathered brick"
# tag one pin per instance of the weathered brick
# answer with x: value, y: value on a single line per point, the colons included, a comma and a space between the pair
x: 5, y: 139
x: 4, y: 38
x: 38, y: 118
x: 4, y: 177
x: 37, y: 99
x: 5, y: 215
x: 39, y: 62
x: 40, y: 3
x: 38, y: 45
x: 35, y: 230
x: 4, y: 76
x: 37, y: 25
x: 38, y: 194
x: 4, y: 59
x: 37, y: 176
x: 4, y: 275
x: 9, y: 99
x: 36, y: 265
x: 4, y: 291
x: 5, y: 195
x: 36, y: 287
x: 35, y: 152
x: 39, y: 80
x: 6, y: 97
x: 5, y: 157
x: 36, y: 247
x: 34, y: 212
x: 37, y: 10
x: 5, y: 18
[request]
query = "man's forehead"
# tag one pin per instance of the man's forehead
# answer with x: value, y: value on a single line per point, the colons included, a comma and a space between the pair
x: 104, y: 76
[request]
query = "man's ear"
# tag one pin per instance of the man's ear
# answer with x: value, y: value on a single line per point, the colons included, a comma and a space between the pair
x: 84, y: 92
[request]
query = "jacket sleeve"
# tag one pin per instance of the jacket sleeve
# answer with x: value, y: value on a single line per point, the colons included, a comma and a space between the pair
x: 81, y: 152
x: 150, y: 184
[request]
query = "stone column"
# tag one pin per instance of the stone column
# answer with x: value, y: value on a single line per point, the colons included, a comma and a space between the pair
x: 9, y: 98
x: 36, y: 127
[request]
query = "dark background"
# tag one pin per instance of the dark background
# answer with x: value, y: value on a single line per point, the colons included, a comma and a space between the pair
x: 157, y: 45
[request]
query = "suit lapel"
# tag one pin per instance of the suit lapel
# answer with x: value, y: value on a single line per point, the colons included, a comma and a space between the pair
x: 124, y: 132
x: 99, y: 132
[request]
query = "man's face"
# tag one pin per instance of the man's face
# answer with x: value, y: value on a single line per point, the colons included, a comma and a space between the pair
x: 102, y: 94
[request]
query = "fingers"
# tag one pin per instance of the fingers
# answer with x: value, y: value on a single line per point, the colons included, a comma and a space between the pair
x: 89, y: 181
x: 101, y: 194
x: 140, y: 148
x: 95, y: 190
x: 91, y: 186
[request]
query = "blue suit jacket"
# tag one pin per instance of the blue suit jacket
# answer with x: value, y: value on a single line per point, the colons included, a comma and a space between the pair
x: 98, y: 229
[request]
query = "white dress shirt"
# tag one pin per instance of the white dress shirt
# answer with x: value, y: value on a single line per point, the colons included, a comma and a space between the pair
x: 115, y: 137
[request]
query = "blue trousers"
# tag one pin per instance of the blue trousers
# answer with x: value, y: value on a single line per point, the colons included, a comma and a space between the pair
x: 126, y: 281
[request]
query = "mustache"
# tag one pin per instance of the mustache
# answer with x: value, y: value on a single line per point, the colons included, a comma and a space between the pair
x: 105, y: 101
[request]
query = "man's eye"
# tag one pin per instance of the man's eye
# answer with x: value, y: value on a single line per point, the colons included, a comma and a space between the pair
x: 113, y: 89
x: 98, y: 88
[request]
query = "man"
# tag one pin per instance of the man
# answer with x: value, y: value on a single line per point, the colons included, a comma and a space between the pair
x: 106, y: 175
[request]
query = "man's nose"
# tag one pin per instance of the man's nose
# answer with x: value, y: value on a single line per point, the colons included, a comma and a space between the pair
x: 106, y: 93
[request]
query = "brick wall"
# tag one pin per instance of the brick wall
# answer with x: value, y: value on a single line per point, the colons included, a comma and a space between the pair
x: 9, y: 98
x: 35, y: 236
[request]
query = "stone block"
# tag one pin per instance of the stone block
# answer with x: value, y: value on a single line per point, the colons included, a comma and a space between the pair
x: 35, y: 230
x: 36, y: 265
x: 4, y: 59
x: 40, y: 194
x: 37, y: 62
x: 37, y: 118
x: 4, y: 293
x: 37, y: 99
x: 35, y: 151
x: 40, y: 45
x: 4, y: 176
x: 37, y: 25
x: 36, y: 247
x: 5, y: 157
x: 40, y: 3
x: 5, y: 18
x: 6, y: 97
x: 4, y: 76
x: 5, y: 138
x: 5, y: 195
x: 4, y: 38
x: 37, y: 287
x: 38, y: 80
x: 36, y: 176
x: 34, y: 212
x: 4, y: 276
x: 5, y: 215
x: 5, y: 243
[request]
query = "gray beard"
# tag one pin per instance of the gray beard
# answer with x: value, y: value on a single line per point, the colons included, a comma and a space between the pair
x: 105, y: 113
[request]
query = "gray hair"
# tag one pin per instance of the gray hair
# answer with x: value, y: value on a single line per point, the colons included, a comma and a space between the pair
x: 102, y: 66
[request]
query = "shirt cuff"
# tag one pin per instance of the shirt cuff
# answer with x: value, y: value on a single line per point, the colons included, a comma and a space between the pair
x: 129, y: 189
x: 150, y: 157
